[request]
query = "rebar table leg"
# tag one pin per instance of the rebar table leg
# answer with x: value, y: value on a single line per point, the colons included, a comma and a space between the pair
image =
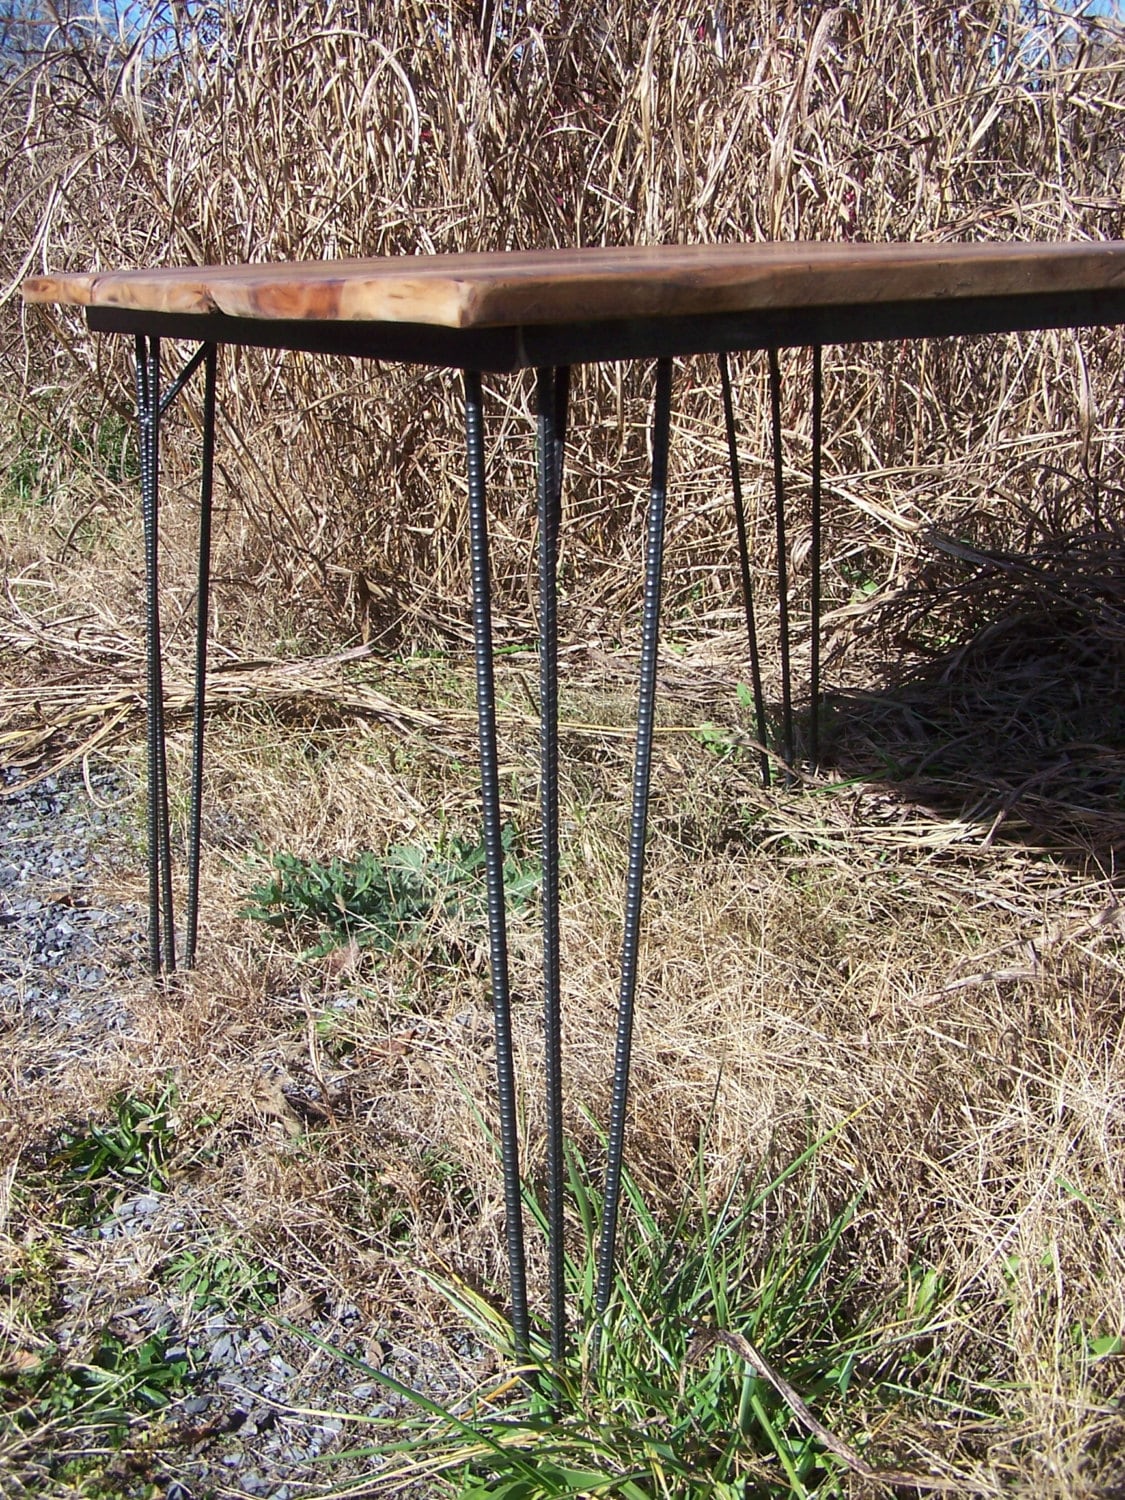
x: 202, y: 602
x: 162, y: 936
x: 165, y: 838
x: 143, y: 419
x: 744, y: 568
x: 634, y: 880
x: 551, y: 400
x: 782, y: 560
x: 494, y: 856
x: 151, y: 406
x: 814, y: 658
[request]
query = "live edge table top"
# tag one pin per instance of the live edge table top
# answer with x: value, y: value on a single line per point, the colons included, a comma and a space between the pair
x: 544, y: 306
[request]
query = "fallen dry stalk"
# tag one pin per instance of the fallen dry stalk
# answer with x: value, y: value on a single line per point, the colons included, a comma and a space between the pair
x: 708, y: 1338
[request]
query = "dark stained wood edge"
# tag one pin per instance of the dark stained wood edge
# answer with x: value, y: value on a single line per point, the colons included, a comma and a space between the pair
x: 803, y: 327
x: 506, y: 349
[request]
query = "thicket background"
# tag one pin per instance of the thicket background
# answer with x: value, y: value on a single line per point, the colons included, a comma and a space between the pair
x: 244, y: 131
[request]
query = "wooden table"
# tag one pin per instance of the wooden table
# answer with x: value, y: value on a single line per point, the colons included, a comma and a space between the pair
x: 547, y: 310
x: 554, y: 307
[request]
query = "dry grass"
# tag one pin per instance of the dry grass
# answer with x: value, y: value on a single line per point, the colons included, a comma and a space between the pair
x: 946, y: 998
x: 921, y: 947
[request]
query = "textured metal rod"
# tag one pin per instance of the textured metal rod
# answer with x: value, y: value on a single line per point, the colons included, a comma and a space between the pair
x: 203, y: 590
x: 782, y: 561
x: 634, y: 880
x: 562, y: 413
x: 152, y: 647
x: 549, y: 507
x: 744, y: 568
x: 494, y: 856
x: 183, y: 377
x: 814, y: 659
x: 164, y: 842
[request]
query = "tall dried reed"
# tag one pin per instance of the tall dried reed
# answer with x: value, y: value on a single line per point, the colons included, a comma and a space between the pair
x: 227, y: 131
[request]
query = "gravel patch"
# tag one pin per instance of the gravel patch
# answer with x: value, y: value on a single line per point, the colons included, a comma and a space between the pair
x: 62, y: 955
x: 253, y: 1420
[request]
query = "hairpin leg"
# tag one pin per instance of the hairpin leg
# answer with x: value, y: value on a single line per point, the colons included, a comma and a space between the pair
x: 162, y: 936
x: 551, y: 397
x: 814, y: 660
x: 744, y: 567
x: 151, y: 406
x: 494, y: 855
x: 650, y: 627
x: 202, y: 601
x: 782, y: 560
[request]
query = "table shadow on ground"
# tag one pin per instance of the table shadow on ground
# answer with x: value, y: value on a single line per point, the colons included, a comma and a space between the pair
x: 1010, y: 710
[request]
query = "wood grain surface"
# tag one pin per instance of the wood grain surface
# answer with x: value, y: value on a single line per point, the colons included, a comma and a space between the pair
x: 568, y: 286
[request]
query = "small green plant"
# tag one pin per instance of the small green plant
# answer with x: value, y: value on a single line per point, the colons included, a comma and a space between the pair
x: 728, y: 741
x: 116, y: 1382
x: 721, y: 740
x: 105, y: 448
x: 133, y: 1149
x: 661, y: 1400
x: 443, y: 1171
x: 923, y: 1290
x: 223, y: 1277
x: 1097, y: 1346
x: 386, y: 901
x: 22, y: 477
x: 861, y: 572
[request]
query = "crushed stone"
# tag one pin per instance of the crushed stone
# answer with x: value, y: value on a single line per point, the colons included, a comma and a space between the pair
x: 252, y: 1422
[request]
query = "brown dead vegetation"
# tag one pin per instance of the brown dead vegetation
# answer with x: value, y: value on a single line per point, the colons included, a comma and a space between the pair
x: 921, y: 946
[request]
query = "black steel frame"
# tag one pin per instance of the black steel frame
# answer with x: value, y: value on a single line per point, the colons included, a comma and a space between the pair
x: 532, y: 347
x: 550, y: 351
x: 151, y: 407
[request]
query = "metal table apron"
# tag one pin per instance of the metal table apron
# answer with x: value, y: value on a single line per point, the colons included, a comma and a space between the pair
x: 945, y: 294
